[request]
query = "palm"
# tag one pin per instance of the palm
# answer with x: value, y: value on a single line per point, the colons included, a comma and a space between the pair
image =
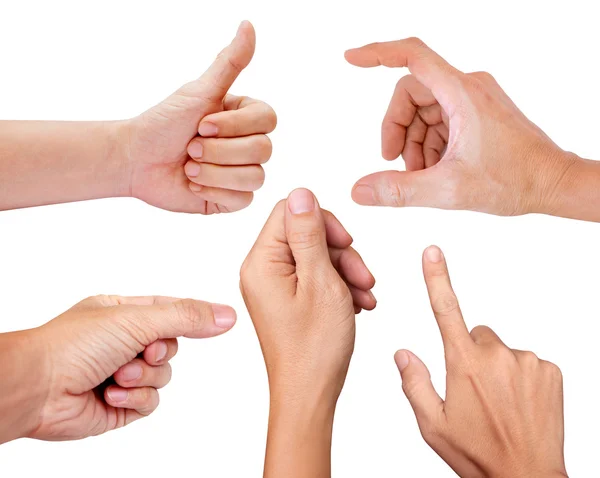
x: 85, y: 415
x: 83, y: 410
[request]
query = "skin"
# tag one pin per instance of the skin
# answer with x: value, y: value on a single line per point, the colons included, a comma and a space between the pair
x: 503, y: 411
x: 466, y: 145
x: 303, y: 284
x: 199, y: 151
x: 98, y: 366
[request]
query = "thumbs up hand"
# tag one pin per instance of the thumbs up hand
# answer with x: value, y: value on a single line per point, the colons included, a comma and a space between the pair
x: 201, y: 149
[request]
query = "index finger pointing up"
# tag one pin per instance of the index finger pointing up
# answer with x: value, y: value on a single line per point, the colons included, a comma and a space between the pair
x: 229, y: 63
x: 443, y: 301
x: 425, y: 64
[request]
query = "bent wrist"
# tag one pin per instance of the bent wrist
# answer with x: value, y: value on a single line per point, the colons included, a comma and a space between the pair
x: 24, y: 384
x: 573, y: 189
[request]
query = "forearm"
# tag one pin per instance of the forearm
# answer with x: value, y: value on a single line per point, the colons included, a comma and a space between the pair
x: 47, y: 162
x: 575, y: 192
x: 21, y: 385
x: 299, y: 438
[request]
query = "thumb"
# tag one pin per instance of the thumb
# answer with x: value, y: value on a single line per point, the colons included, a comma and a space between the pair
x: 169, y: 318
x: 229, y: 64
x: 427, y: 188
x: 306, y: 234
x: 417, y: 386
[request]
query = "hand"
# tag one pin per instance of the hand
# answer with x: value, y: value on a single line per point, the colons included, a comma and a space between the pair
x: 201, y: 149
x: 503, y: 412
x: 127, y: 340
x: 303, y: 284
x: 465, y: 143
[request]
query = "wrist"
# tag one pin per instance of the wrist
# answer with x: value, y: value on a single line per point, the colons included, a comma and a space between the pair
x: 548, y: 168
x: 119, y: 156
x: 305, y: 391
x: 24, y: 384
x: 569, y: 187
x: 303, y: 407
x: 299, y: 436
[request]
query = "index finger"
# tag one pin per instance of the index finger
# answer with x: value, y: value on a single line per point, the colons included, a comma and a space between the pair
x: 443, y: 301
x: 229, y: 63
x: 425, y: 64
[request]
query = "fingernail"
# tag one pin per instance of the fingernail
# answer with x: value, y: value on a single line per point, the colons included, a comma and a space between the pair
x: 117, y: 394
x: 195, y: 187
x: 192, y: 169
x: 207, y: 129
x: 161, y: 351
x: 434, y: 254
x: 364, y: 195
x: 195, y: 149
x: 372, y: 296
x: 130, y: 372
x: 301, y: 201
x: 402, y: 360
x: 224, y: 315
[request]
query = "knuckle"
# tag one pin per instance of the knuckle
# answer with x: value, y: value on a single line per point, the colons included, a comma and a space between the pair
x: 411, y: 388
x: 415, y: 42
x: 500, y: 354
x: 554, y: 371
x: 264, y: 148
x: 144, y: 396
x: 483, y: 76
x: 480, y: 330
x: 104, y: 300
x: 148, y: 400
x: 174, y: 347
x: 445, y: 304
x: 246, y: 271
x: 304, y: 238
x: 168, y: 374
x: 270, y: 118
x: 99, y: 299
x: 337, y: 288
x: 224, y: 56
x: 257, y: 178
x: 430, y: 432
x: 187, y: 313
x: 392, y: 194
x: 529, y: 358
x: 405, y: 82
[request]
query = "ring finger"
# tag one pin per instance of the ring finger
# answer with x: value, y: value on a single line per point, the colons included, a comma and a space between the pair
x: 144, y: 400
x: 236, y: 178
x: 138, y: 373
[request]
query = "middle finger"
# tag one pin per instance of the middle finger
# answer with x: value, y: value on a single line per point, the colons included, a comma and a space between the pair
x: 138, y: 373
x: 255, y: 149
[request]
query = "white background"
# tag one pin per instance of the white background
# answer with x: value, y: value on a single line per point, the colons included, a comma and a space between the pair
x: 533, y: 279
